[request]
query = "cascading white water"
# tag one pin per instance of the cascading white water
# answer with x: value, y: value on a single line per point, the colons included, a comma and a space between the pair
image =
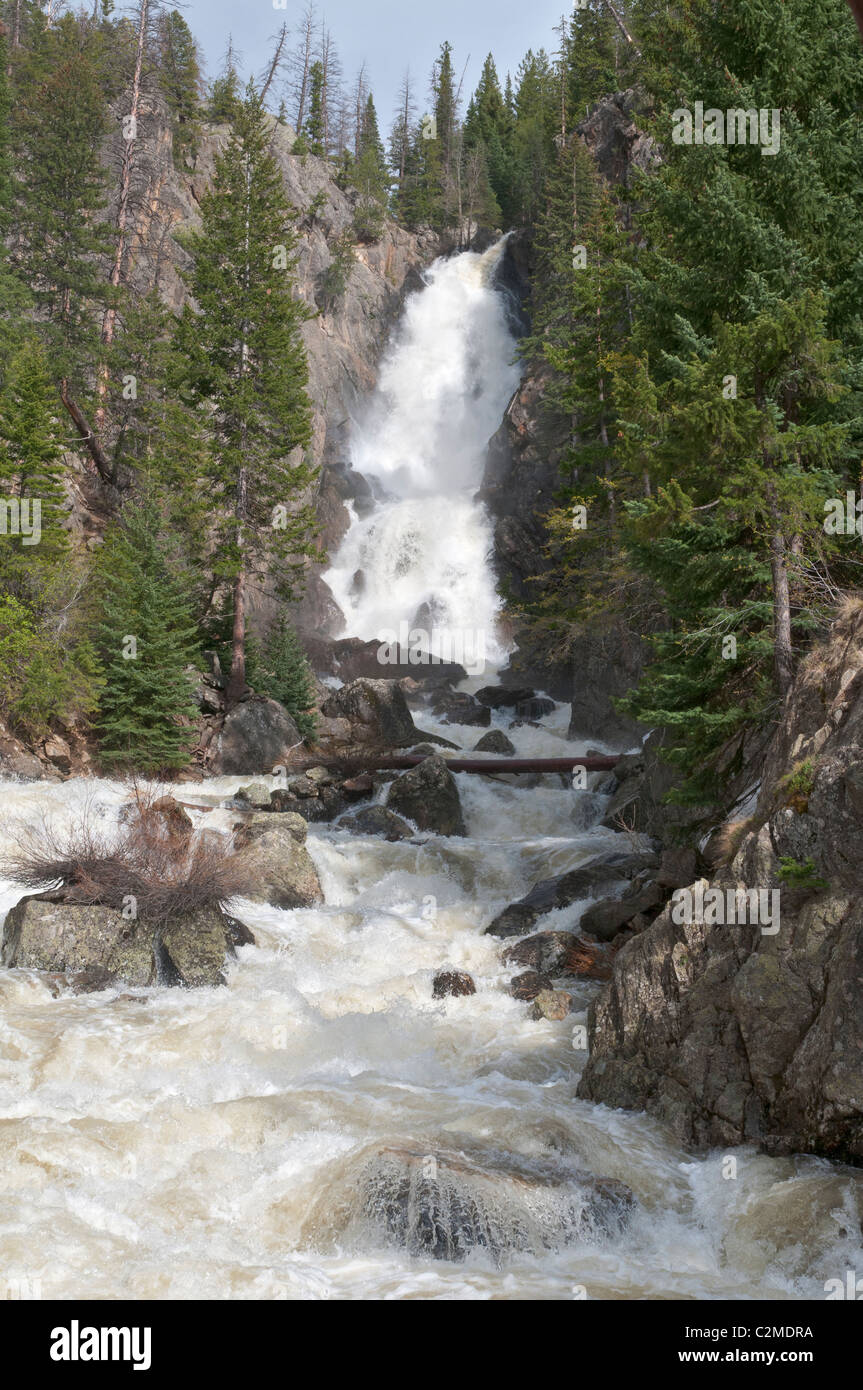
x: 422, y: 556
x: 269, y: 1139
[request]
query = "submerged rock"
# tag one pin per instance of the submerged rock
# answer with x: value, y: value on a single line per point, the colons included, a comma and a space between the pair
x: 454, y: 982
x: 376, y: 820
x: 427, y: 794
x: 447, y: 1204
x: 550, y: 893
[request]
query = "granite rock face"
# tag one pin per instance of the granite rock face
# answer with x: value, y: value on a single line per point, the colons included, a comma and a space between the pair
x: 741, y: 1033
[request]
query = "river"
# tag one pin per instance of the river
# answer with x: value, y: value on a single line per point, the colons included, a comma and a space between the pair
x: 169, y: 1144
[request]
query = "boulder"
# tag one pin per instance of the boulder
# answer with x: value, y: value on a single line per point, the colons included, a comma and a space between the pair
x: 44, y: 933
x: 529, y: 984
x: 427, y: 794
x: 552, y: 1004
x: 256, y: 736
x: 608, y: 917
x: 563, y: 889
x: 255, y: 794
x: 499, y: 697
x: 561, y: 953
x: 455, y: 707
x: 377, y: 712
x: 448, y: 1204
x: 376, y: 820
x: 454, y: 982
x: 280, y: 868
x: 495, y: 741
x: 262, y: 822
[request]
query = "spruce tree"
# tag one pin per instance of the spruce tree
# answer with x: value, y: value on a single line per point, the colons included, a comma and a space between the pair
x: 31, y: 450
x: 147, y: 639
x: 180, y: 78
x: 243, y: 361
x: 282, y: 671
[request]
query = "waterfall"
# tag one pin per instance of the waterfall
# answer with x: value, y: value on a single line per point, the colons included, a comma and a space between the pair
x: 421, y: 559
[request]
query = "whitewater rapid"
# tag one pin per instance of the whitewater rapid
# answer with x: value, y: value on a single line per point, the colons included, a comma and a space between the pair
x: 177, y: 1144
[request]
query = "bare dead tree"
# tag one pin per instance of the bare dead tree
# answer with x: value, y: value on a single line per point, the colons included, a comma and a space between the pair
x: 401, y: 129
x: 361, y: 91
x: 300, y: 62
x: 278, y: 57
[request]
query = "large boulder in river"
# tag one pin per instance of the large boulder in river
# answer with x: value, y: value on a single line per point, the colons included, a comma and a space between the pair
x: 427, y: 794
x: 451, y: 1204
x: 495, y: 741
x: 377, y: 712
x: 42, y: 932
x: 271, y: 857
x: 257, y: 736
x: 376, y: 820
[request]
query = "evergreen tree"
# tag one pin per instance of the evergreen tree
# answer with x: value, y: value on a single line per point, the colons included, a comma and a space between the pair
x: 369, y: 175
x: 31, y: 449
x: 147, y: 638
x: 225, y: 91
x: 63, y: 125
x: 488, y: 127
x: 314, y: 128
x: 180, y: 77
x: 282, y: 671
x: 243, y: 361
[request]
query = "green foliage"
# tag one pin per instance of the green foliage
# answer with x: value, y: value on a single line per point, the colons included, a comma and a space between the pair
x: 180, y: 79
x: 282, y: 671
x: 334, y: 279
x: 147, y: 639
x: 63, y: 122
x: 48, y: 671
x: 796, y: 786
x: 801, y: 874
x: 313, y: 130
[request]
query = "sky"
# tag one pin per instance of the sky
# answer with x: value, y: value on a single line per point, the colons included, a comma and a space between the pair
x: 389, y: 35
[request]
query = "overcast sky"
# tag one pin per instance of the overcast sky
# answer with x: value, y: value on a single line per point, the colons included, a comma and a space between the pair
x: 389, y: 35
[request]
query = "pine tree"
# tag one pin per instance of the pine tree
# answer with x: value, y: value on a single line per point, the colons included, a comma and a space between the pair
x: 369, y: 175
x: 282, y: 671
x: 31, y: 469
x: 488, y: 127
x: 225, y: 91
x: 314, y: 129
x: 147, y: 638
x: 180, y: 78
x: 245, y: 364
x: 63, y: 125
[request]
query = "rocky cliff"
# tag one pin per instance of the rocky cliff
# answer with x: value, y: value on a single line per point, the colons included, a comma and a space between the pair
x: 345, y: 339
x: 747, y: 1033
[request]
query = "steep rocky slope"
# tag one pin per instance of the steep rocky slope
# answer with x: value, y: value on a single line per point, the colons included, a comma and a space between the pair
x: 733, y: 1034
x: 343, y: 341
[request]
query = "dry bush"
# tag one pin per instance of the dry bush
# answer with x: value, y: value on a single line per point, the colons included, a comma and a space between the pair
x: 150, y: 856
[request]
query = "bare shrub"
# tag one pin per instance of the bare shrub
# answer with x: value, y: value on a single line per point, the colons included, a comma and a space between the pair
x: 150, y: 856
